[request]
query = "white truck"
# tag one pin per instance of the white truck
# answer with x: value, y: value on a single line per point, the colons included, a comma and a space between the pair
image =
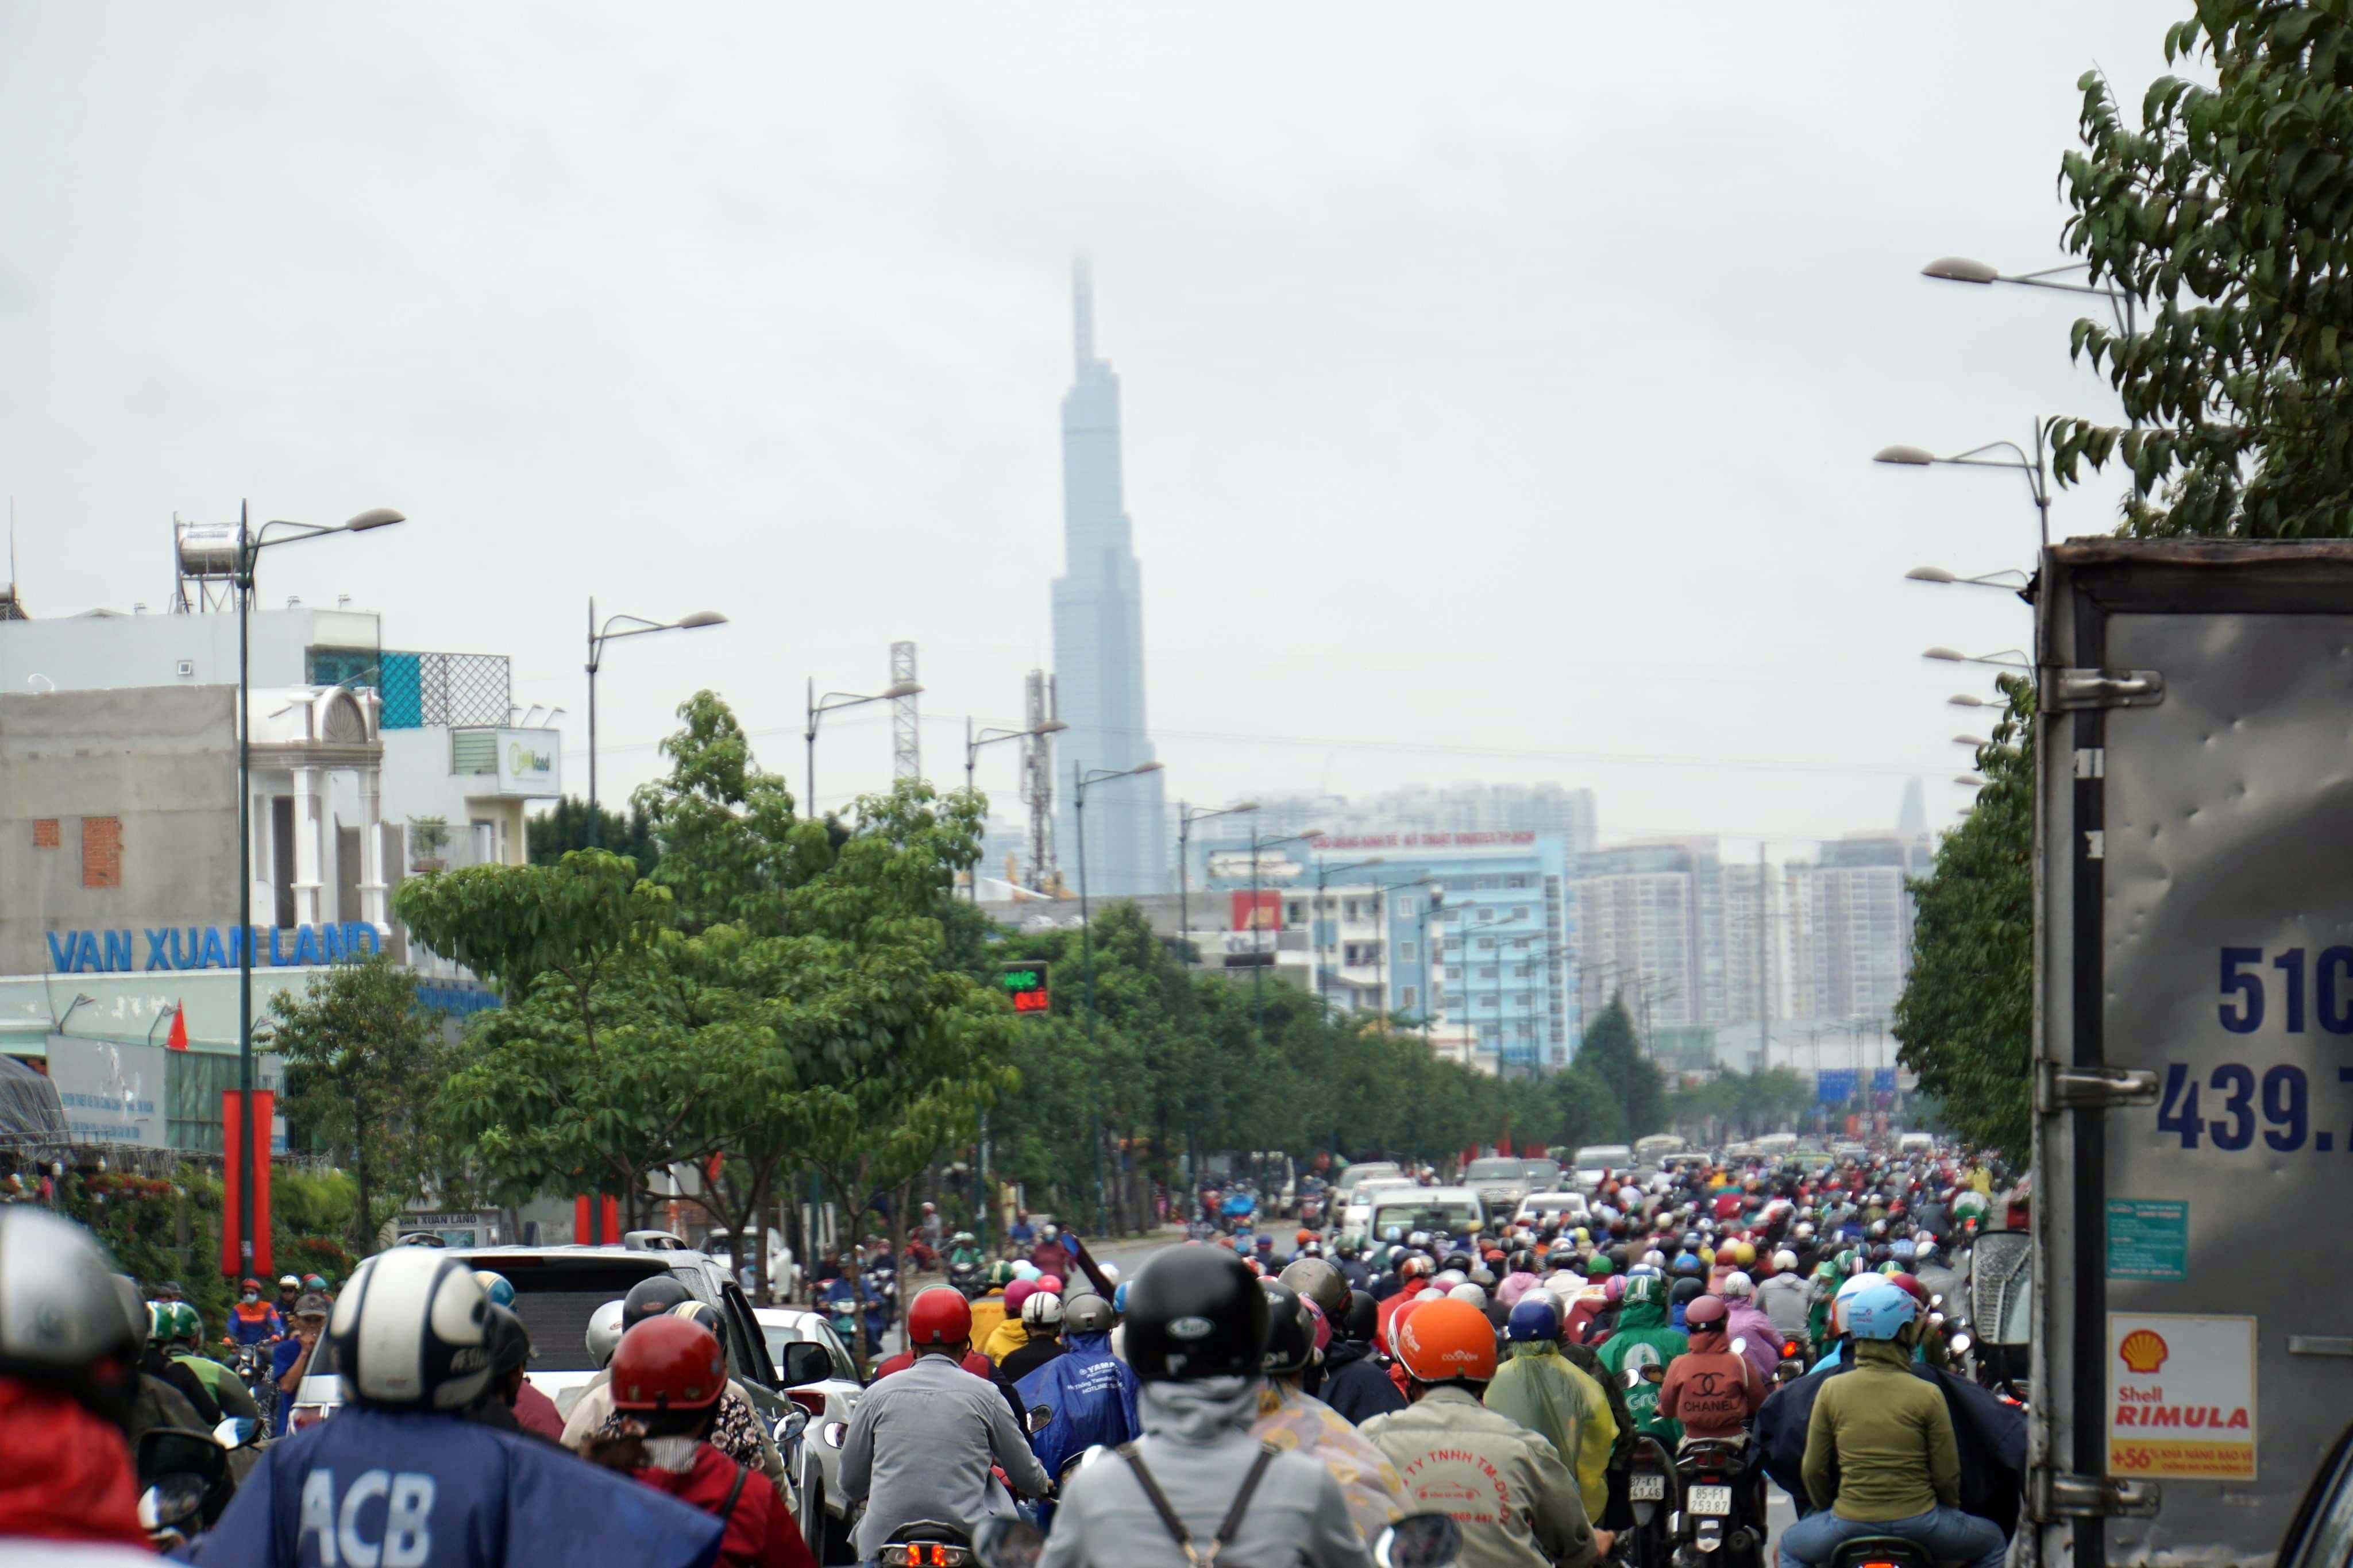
x: 2192, y: 1350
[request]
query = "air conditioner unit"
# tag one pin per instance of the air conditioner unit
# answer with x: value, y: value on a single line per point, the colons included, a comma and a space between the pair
x: 185, y: 668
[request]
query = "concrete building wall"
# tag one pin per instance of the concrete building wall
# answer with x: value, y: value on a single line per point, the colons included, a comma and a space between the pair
x: 80, y: 653
x: 160, y: 765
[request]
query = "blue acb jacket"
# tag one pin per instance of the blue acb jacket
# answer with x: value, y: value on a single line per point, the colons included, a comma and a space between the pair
x: 1092, y: 1395
x: 437, y: 1491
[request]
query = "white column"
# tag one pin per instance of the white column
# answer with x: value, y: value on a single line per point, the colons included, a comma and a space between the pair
x: 372, y: 908
x: 309, y: 827
x: 263, y: 871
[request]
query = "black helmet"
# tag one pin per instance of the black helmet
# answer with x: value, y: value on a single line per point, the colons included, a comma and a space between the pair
x: 1320, y: 1283
x: 1688, y: 1290
x: 1364, y: 1317
x: 1461, y: 1260
x: 1196, y: 1312
x: 1523, y: 1261
x: 1291, y: 1336
x: 412, y: 1328
x: 510, y: 1342
x: 650, y: 1297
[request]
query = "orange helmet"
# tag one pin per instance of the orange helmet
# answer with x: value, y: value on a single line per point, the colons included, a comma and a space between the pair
x: 1447, y: 1340
x: 1304, y: 1236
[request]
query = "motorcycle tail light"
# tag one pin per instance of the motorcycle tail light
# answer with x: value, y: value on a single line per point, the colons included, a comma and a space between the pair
x: 306, y: 1415
x: 808, y: 1399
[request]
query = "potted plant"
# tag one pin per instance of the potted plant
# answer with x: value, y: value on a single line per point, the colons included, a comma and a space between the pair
x: 427, y: 837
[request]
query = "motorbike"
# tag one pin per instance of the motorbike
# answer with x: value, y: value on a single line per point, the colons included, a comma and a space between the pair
x: 1719, y: 1512
x: 252, y: 1368
x: 1651, y: 1493
x: 1415, y: 1540
x: 1881, y: 1551
x: 1792, y: 1364
x: 183, y: 1479
x: 966, y: 1278
x: 838, y: 1300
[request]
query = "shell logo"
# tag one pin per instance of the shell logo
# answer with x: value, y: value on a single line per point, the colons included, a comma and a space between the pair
x: 2143, y: 1350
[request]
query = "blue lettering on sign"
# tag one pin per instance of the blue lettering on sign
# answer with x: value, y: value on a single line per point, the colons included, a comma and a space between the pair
x: 206, y: 947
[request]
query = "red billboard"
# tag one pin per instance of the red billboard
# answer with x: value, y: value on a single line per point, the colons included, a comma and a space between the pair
x: 1267, y: 916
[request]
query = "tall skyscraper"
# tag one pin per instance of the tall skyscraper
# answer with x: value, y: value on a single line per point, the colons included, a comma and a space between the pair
x: 1099, y: 640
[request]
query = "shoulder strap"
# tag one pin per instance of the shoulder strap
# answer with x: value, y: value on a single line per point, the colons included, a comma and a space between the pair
x: 1175, y: 1527
x: 727, y: 1509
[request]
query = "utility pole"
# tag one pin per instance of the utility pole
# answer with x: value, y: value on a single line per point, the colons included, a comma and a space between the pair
x: 1764, y: 988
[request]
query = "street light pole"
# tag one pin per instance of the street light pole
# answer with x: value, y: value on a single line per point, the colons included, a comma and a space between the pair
x: 972, y: 745
x: 629, y: 626
x: 1080, y: 776
x: 1185, y: 817
x: 1257, y: 970
x: 834, y: 701
x: 1324, y: 874
x: 249, y: 545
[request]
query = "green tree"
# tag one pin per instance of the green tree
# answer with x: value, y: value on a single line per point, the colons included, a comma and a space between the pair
x: 2226, y: 215
x: 363, y: 1066
x: 565, y: 827
x: 1965, y: 1018
x: 1610, y: 1053
x: 1584, y: 1108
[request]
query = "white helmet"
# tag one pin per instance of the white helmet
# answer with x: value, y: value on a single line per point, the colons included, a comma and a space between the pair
x: 1785, y: 1260
x: 605, y: 1333
x: 1737, y: 1285
x: 1110, y: 1273
x: 65, y: 1316
x: 1466, y: 1291
x: 1848, y: 1287
x: 1025, y: 1269
x: 1925, y: 1248
x: 1655, y: 1259
x: 412, y: 1330
x: 1448, y: 1279
x: 1430, y: 1293
x: 1043, y: 1309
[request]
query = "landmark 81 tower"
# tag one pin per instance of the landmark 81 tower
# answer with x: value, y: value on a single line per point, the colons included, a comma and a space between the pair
x: 1099, y: 638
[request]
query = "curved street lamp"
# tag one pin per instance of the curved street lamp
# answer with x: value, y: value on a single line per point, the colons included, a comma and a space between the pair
x: 615, y: 629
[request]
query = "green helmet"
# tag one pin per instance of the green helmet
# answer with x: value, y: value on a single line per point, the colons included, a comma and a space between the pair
x: 159, y: 1322
x: 1000, y: 1274
x: 188, y: 1323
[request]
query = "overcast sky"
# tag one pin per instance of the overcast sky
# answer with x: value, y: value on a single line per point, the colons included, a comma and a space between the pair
x: 1500, y: 383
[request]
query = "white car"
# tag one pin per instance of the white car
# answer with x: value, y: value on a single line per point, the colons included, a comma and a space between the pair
x: 1357, y: 1215
x: 816, y: 1371
x: 1458, y: 1211
x: 1533, y: 1208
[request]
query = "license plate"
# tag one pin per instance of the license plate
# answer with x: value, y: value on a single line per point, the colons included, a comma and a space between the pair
x: 1646, y: 1488
x: 1715, y: 1501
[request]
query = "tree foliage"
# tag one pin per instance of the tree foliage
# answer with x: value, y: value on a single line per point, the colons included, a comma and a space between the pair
x: 1744, y: 1104
x: 1611, y: 1054
x: 1965, y: 1018
x: 362, y: 1065
x: 2226, y: 215
x: 565, y: 827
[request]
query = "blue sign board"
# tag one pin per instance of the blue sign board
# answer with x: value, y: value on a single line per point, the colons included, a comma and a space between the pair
x: 1882, y: 1081
x: 207, y: 947
x: 1834, y: 1086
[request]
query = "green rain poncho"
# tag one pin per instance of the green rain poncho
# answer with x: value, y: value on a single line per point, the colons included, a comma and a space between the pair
x: 1544, y: 1392
x: 1644, y: 1340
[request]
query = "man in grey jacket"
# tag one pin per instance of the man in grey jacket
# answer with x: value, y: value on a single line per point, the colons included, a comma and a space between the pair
x: 922, y: 1442
x: 1196, y: 1334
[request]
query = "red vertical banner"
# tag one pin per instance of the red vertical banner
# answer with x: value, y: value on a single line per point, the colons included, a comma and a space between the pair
x: 580, y: 1219
x: 232, y: 1129
x: 596, y: 1221
x: 612, y: 1237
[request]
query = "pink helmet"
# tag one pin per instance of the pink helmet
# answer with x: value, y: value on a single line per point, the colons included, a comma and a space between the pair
x: 1050, y: 1283
x: 1322, y: 1323
x: 1615, y: 1289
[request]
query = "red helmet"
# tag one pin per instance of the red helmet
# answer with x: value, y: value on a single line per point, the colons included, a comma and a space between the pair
x: 938, y: 1316
x: 1911, y: 1286
x: 667, y: 1363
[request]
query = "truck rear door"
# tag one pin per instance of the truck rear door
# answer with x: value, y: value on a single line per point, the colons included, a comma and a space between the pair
x: 2195, y: 1084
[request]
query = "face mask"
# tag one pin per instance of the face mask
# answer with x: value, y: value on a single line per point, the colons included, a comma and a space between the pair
x: 251, y: 1297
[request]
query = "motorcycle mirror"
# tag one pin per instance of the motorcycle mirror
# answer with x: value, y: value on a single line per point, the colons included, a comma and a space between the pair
x: 1419, y: 1540
x: 1007, y: 1543
x: 1633, y: 1377
x: 1740, y: 1346
x: 237, y: 1431
x: 788, y: 1430
x: 834, y: 1432
x: 1960, y: 1344
x: 1038, y: 1417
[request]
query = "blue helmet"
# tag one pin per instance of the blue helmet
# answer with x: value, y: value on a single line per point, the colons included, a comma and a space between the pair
x: 497, y: 1287
x: 1118, y: 1297
x: 1535, y: 1318
x: 1688, y: 1264
x: 1879, y: 1310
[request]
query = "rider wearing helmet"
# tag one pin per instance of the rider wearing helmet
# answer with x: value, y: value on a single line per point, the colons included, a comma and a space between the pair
x: 1011, y: 1333
x: 667, y: 1379
x: 739, y: 1433
x: 69, y: 1342
x: 1355, y: 1375
x: 1711, y: 1388
x: 1748, y: 1327
x: 1088, y: 1392
x: 252, y: 1321
x: 1881, y: 1456
x: 511, y: 1396
x: 157, y: 1361
x: 1644, y: 1343
x: 1550, y: 1395
x: 1197, y: 1332
x: 1290, y: 1418
x: 922, y: 1442
x: 1042, y: 1321
x: 1505, y: 1485
x: 401, y: 1475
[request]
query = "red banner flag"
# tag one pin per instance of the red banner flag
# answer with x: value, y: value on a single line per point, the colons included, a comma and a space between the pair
x: 178, y: 1038
x: 234, y: 1263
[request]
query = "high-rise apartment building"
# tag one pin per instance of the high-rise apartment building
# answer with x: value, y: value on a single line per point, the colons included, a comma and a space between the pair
x: 1099, y: 640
